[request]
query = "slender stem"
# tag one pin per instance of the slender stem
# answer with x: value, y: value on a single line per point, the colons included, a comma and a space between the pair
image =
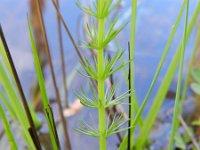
x: 178, y: 91
x: 64, y: 124
x: 133, y: 102
x: 47, y: 109
x: 101, y: 109
x: 101, y: 83
x: 129, y: 123
x: 186, y: 84
x: 161, y: 93
x: 62, y: 59
x: 8, y: 130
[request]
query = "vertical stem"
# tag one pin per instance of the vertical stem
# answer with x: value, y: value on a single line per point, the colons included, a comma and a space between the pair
x: 190, y: 67
x: 62, y: 59
x: 32, y: 129
x: 101, y: 109
x: 133, y: 104
x: 47, y: 50
x: 178, y: 91
x: 7, y: 128
x: 101, y: 84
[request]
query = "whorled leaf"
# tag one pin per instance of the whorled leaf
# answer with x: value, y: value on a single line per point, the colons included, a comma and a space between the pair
x: 91, y: 71
x: 116, y: 125
x: 85, y: 100
x: 109, y: 36
x: 109, y: 70
x: 109, y: 101
x: 87, y: 129
x: 95, y: 11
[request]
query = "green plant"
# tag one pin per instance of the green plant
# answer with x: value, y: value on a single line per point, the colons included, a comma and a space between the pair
x: 191, y: 71
x: 8, y: 130
x: 103, y: 69
x: 11, y: 100
x: 155, y: 108
x: 178, y: 91
x: 195, y: 86
x: 47, y: 109
x: 133, y: 108
x: 162, y: 91
x: 100, y: 35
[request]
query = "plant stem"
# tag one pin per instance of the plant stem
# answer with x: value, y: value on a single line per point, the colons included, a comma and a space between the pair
x: 190, y: 67
x: 47, y: 50
x: 162, y: 91
x: 8, y: 130
x: 133, y: 103
x: 101, y: 109
x: 32, y: 129
x: 101, y: 84
x: 62, y: 59
x: 178, y: 91
x: 47, y: 109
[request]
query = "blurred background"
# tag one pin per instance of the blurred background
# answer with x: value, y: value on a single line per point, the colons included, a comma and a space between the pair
x: 155, y: 20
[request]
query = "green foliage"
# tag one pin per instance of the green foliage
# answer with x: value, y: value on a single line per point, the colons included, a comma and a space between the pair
x: 161, y: 93
x: 103, y: 13
x: 195, y: 86
x: 11, y: 99
x: 178, y: 90
x: 102, y: 70
x: 47, y: 109
x: 8, y: 130
x: 196, y: 74
x: 179, y: 142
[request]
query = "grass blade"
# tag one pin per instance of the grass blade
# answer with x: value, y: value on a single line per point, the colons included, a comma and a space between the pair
x: 8, y: 130
x: 47, y: 50
x: 159, y: 66
x: 45, y: 102
x: 178, y: 91
x: 20, y: 90
x: 145, y: 130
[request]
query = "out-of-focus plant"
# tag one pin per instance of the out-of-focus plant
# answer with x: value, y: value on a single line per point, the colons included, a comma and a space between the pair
x: 47, y: 109
x: 8, y: 130
x: 9, y: 97
x: 195, y: 86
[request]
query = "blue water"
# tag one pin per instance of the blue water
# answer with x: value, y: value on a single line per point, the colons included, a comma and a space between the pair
x: 155, y: 20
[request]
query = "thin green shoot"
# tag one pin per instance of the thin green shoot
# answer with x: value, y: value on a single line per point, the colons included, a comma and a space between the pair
x: 45, y: 102
x: 158, y: 100
x: 8, y: 130
x: 158, y: 68
x: 178, y: 91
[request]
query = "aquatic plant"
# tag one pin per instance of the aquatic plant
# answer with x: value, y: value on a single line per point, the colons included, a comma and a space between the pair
x: 47, y: 108
x: 8, y: 130
x: 180, y: 75
x: 103, y: 68
x: 100, y: 34
x: 10, y: 83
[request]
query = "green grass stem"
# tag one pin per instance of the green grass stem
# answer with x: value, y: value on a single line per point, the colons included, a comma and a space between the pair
x: 9, y: 133
x: 158, y: 68
x: 41, y: 81
x: 159, y: 98
x: 101, y: 84
x: 178, y: 90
